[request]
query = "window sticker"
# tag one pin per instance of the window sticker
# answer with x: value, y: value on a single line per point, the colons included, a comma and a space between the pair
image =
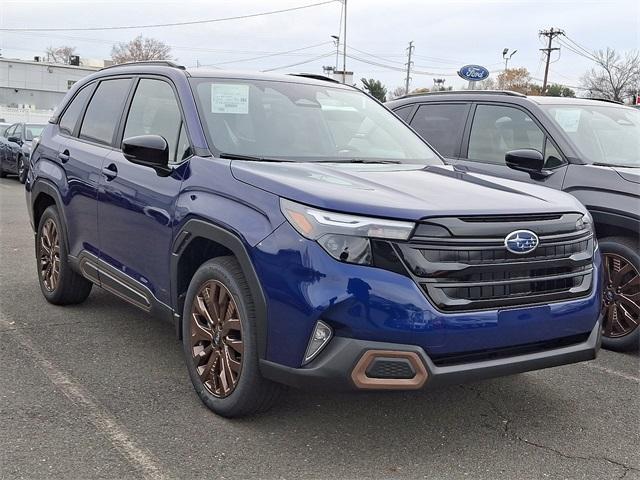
x: 229, y: 98
x: 568, y: 119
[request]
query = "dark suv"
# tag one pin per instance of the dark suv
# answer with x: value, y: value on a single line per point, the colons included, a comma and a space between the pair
x: 588, y: 148
x: 15, y: 148
x: 295, y: 231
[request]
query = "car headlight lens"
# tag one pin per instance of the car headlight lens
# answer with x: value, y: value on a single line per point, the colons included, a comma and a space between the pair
x: 345, y: 237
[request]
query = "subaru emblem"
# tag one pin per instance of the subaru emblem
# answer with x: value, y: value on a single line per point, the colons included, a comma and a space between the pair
x: 521, y: 242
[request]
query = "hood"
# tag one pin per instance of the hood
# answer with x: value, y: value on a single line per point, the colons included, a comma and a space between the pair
x: 630, y: 174
x: 408, y: 192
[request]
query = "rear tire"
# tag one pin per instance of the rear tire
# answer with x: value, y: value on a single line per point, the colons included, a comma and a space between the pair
x: 621, y: 304
x: 221, y: 349
x: 3, y: 174
x: 60, y: 285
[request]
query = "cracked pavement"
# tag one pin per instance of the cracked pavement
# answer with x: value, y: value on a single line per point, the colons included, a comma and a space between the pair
x: 99, y: 390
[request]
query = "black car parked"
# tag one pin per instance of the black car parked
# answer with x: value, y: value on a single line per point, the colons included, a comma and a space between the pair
x: 589, y: 148
x: 15, y: 148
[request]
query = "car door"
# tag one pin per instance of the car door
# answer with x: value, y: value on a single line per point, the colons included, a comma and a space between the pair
x: 4, y: 146
x: 136, y: 203
x: 442, y: 125
x: 13, y: 148
x: 494, y: 130
x: 86, y: 135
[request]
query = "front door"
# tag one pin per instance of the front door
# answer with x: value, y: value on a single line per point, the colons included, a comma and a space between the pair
x: 496, y: 129
x: 136, y: 204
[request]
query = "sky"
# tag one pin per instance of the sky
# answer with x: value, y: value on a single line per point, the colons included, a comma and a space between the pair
x: 447, y: 34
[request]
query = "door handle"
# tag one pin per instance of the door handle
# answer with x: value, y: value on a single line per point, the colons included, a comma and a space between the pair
x: 110, y: 171
x: 64, y: 156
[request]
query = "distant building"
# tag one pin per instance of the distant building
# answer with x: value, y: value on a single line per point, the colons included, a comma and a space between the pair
x: 30, y: 90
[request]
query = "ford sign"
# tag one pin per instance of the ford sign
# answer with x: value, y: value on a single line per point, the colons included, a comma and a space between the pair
x: 473, y: 73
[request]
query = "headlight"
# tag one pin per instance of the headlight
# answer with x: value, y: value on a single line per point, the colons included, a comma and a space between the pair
x: 585, y: 222
x: 345, y: 237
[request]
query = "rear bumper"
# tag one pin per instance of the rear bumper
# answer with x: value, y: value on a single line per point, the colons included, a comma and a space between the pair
x: 339, y: 367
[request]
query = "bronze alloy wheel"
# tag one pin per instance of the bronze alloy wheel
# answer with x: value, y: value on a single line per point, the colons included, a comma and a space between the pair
x: 50, y: 255
x: 621, y: 296
x: 216, y: 338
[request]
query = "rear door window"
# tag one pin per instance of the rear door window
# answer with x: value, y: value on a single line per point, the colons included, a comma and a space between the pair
x: 442, y: 126
x: 70, y: 117
x: 104, y: 111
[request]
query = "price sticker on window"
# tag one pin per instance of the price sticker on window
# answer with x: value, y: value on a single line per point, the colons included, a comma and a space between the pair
x: 229, y: 98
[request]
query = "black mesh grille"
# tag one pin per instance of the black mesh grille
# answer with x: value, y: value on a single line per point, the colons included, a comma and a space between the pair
x: 390, y: 368
x: 467, y: 272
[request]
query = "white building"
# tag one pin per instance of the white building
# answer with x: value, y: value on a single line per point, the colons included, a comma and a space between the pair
x: 30, y: 90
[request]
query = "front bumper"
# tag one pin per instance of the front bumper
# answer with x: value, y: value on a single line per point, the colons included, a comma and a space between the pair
x: 339, y: 365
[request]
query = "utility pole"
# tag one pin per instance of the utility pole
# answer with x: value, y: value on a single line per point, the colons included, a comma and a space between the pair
x: 409, y: 62
x: 344, y: 46
x: 550, y: 34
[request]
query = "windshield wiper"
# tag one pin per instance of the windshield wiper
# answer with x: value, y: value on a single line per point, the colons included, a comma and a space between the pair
x: 251, y: 158
x: 356, y: 160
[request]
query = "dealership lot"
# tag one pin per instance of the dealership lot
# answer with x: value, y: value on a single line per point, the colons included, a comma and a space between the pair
x: 100, y: 390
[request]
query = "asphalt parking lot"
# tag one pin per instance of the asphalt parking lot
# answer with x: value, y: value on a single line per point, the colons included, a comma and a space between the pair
x: 100, y: 390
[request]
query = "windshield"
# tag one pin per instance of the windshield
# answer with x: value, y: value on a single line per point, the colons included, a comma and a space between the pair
x: 604, y: 134
x: 32, y: 131
x: 302, y: 122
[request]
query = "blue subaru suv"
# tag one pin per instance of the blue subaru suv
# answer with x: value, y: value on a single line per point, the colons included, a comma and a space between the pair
x: 297, y: 232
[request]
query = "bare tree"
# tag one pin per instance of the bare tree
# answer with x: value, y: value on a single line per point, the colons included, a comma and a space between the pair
x: 61, y: 54
x: 615, y: 77
x: 140, y: 48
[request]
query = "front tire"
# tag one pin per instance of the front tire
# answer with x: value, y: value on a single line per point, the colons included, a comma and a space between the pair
x: 23, y: 170
x: 60, y: 285
x: 621, y: 302
x: 220, y: 342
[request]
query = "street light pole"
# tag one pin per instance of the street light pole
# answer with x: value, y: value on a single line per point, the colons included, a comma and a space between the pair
x: 337, y: 40
x: 506, y: 59
x: 344, y: 46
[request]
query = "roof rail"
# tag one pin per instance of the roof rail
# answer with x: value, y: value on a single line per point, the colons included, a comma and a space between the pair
x: 314, y: 76
x: 608, y: 100
x: 159, y: 63
x: 462, y: 92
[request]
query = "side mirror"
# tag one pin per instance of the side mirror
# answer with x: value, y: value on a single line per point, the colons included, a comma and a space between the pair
x: 148, y: 150
x: 527, y: 160
x: 14, y: 140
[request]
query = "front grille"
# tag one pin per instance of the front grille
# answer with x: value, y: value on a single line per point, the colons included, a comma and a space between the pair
x: 462, y: 271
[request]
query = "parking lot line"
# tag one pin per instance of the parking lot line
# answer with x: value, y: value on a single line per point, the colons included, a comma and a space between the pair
x: 610, y: 371
x: 99, y: 417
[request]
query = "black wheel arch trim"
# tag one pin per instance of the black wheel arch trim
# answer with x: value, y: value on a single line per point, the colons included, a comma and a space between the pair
x: 197, y: 228
x: 621, y: 220
x: 47, y: 187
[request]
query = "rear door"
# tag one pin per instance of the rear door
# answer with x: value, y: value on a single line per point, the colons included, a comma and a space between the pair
x: 494, y: 130
x: 136, y: 204
x: 87, y: 134
x: 442, y: 125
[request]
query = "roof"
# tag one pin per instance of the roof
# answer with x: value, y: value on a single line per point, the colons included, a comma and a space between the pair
x: 496, y: 95
x: 306, y: 78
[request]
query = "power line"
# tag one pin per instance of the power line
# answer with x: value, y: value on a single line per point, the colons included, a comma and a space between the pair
x: 325, y: 55
x: 174, y: 24
x: 274, y: 54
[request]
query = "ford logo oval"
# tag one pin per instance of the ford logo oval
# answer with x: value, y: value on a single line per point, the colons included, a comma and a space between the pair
x: 521, y: 242
x: 473, y: 73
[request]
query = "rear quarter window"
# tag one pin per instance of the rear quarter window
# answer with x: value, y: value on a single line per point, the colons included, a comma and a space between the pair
x: 441, y: 125
x: 70, y: 117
